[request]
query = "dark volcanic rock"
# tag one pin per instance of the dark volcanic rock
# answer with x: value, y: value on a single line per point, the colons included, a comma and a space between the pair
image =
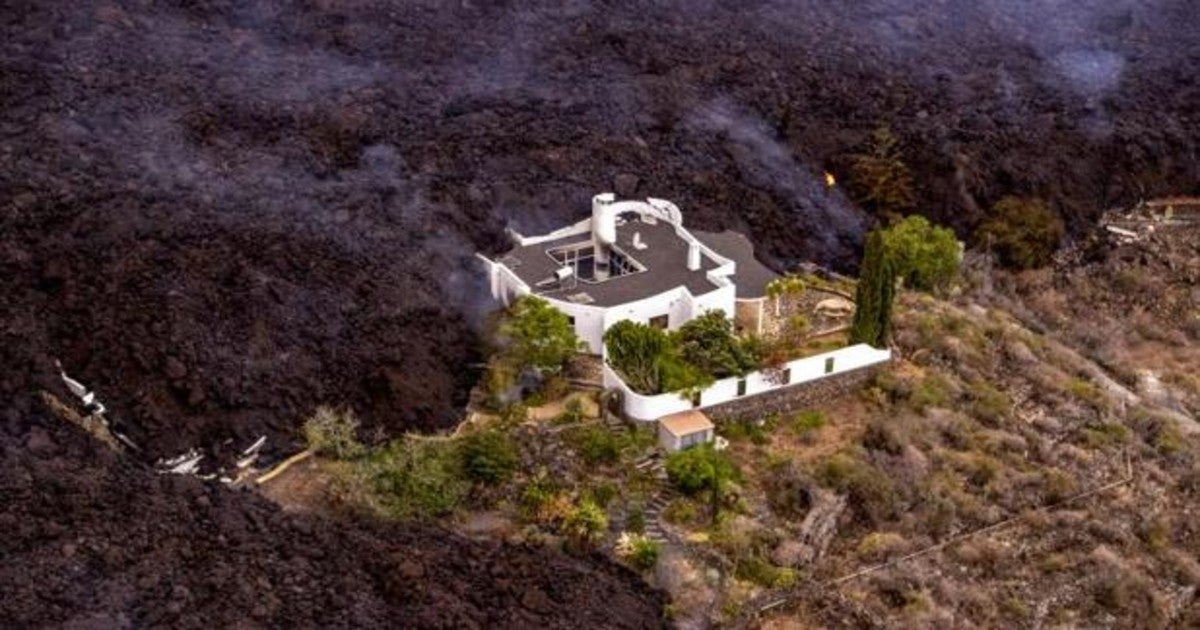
x: 219, y: 215
x: 284, y: 199
x: 95, y: 541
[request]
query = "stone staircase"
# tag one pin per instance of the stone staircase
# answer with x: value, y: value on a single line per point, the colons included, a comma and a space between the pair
x: 658, y: 503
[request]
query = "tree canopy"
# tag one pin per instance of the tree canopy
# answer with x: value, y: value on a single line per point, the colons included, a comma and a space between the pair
x: 926, y: 256
x: 702, y: 469
x: 538, y: 335
x: 879, y: 178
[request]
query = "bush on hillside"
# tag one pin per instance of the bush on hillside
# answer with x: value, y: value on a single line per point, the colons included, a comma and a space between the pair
x: 702, y: 469
x: 585, y: 525
x: 418, y: 478
x: 489, y: 457
x: 333, y: 432
x: 1022, y: 232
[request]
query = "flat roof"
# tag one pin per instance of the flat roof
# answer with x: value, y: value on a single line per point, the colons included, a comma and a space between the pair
x: 751, y: 276
x: 686, y: 423
x: 664, y: 258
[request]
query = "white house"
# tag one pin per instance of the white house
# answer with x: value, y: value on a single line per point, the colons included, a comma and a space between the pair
x: 634, y: 260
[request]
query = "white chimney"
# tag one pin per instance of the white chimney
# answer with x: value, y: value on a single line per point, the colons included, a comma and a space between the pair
x: 604, y: 231
x: 694, y: 256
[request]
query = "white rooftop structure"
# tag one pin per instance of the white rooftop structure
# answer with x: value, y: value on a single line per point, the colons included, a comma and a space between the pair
x: 634, y: 260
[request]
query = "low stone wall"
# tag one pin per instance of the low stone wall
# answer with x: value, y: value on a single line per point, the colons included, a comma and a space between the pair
x: 789, y: 400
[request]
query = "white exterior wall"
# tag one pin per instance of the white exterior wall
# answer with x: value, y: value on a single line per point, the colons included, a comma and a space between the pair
x: 592, y: 321
x: 503, y: 283
x: 808, y: 369
x: 673, y: 443
x: 589, y: 322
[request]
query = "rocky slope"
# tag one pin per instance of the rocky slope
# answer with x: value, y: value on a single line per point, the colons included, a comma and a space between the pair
x: 94, y: 540
x: 220, y: 214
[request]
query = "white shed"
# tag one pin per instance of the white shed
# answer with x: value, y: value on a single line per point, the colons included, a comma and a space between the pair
x: 684, y: 429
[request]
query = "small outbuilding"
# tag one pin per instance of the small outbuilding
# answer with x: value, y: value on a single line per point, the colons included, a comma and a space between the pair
x: 684, y: 429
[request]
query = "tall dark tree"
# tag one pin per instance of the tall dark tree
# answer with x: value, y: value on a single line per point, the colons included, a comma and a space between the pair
x: 879, y: 178
x: 876, y: 292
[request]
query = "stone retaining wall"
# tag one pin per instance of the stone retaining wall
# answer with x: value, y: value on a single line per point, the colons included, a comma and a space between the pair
x: 789, y: 400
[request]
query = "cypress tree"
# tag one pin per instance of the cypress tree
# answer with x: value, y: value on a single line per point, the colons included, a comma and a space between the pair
x: 887, y: 297
x: 876, y: 290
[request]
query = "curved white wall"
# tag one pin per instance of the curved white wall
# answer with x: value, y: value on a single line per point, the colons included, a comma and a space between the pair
x: 806, y: 370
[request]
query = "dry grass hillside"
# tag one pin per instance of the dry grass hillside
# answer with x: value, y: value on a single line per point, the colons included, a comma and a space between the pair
x: 1009, y: 405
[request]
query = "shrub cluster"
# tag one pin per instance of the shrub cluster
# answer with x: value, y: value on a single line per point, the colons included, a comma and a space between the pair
x: 653, y: 361
x: 1022, y: 232
x: 489, y: 456
x: 926, y: 256
x: 333, y: 433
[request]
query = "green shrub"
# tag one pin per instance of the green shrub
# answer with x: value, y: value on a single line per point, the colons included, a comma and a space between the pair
x: 882, y: 435
x: 790, y: 284
x: 637, y: 352
x: 636, y: 520
x: 681, y: 511
x: 1169, y: 439
x: 872, y: 494
x: 418, y: 478
x: 708, y: 344
x: 553, y: 388
x: 699, y: 469
x: 758, y: 571
x: 603, y: 493
x: 652, y: 361
x: 746, y: 430
x: 1057, y: 485
x: 926, y: 256
x: 489, y: 457
x: 1106, y: 434
x: 808, y: 421
x: 536, y: 495
x: 1023, y: 232
x: 572, y: 412
x: 680, y: 376
x: 988, y: 403
x: 585, y: 524
x: 514, y: 414
x: 643, y: 553
x: 598, y: 445
x: 333, y: 432
x: 933, y: 391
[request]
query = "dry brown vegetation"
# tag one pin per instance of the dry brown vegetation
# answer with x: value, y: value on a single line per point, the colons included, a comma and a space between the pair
x: 985, y: 418
x: 961, y: 436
